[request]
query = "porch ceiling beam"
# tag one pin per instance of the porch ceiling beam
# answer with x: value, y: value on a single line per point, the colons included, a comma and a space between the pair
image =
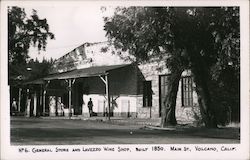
x: 74, y: 80
x: 104, y: 81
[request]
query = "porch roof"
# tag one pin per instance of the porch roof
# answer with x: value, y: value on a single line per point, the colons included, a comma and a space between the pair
x: 85, y: 72
x: 37, y: 81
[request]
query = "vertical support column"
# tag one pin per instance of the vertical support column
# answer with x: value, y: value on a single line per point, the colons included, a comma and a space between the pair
x: 35, y: 104
x: 44, y: 101
x: 56, y: 105
x: 44, y: 96
x: 19, y: 99
x: 108, y: 94
x: 41, y: 100
x: 28, y: 105
x: 70, y: 94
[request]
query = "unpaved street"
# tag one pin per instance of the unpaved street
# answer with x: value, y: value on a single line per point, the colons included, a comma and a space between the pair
x: 37, y: 131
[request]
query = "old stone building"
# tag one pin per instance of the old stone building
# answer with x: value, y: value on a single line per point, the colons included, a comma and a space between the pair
x: 96, y: 71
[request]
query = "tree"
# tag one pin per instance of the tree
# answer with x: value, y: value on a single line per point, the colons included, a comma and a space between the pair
x: 24, y: 31
x: 29, y: 71
x: 199, y: 39
x: 39, y: 69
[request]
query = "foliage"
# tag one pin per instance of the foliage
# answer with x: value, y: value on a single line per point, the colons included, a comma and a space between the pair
x: 24, y: 31
x: 39, y: 69
x: 155, y: 31
x: 203, y: 39
x: 32, y: 70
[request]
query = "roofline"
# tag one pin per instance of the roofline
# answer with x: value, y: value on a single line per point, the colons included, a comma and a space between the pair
x: 83, y: 44
x: 55, y: 76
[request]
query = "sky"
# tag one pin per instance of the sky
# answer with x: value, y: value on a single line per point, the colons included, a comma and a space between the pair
x: 72, y: 27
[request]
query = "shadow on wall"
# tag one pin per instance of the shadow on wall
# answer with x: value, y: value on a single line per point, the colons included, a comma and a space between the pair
x: 126, y: 80
x: 114, y: 103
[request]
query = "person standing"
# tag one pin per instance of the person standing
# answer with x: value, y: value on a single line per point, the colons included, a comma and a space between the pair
x: 90, y: 106
x: 14, y: 106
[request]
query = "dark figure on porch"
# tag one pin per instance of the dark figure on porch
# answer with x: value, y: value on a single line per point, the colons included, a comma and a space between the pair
x: 90, y: 106
x: 14, y: 106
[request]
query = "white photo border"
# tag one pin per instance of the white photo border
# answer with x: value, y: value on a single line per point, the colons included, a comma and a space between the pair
x: 242, y: 152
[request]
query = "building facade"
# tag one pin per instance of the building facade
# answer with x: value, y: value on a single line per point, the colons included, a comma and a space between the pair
x: 96, y: 71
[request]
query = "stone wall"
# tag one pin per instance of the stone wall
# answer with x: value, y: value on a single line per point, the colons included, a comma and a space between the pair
x: 151, y: 72
x: 189, y: 114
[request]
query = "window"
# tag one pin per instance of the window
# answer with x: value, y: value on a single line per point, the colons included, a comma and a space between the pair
x: 187, y: 91
x: 147, y: 94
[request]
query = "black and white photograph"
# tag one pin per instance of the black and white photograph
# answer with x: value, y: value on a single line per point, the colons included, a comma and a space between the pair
x: 95, y: 80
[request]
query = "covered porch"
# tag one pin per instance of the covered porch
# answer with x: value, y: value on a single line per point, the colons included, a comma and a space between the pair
x: 67, y: 93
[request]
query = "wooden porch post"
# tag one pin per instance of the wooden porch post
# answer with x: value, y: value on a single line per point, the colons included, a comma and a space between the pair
x: 106, y: 82
x: 108, y: 95
x: 40, y: 99
x: 44, y: 101
x: 35, y: 104
x: 19, y: 99
x: 56, y: 105
x: 28, y: 104
x: 44, y: 96
x: 70, y: 92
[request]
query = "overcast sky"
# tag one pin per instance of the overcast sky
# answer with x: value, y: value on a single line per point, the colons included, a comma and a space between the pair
x: 72, y: 27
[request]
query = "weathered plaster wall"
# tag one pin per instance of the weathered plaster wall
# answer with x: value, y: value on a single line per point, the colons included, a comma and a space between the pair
x: 87, y: 55
x: 121, y: 106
